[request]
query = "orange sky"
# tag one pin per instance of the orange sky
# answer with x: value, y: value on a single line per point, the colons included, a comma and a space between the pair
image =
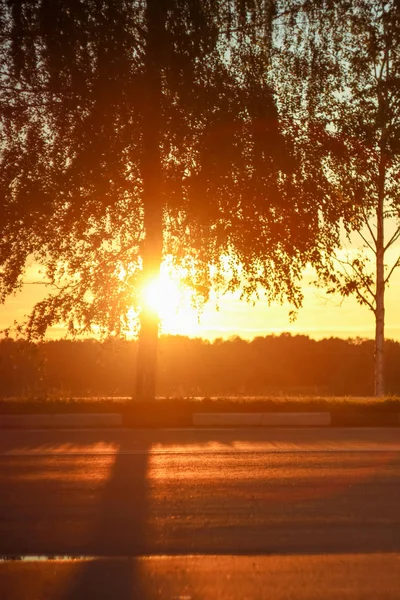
x: 320, y: 316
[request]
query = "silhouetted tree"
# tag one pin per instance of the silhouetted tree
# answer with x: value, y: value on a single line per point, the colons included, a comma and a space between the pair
x: 137, y: 131
x: 366, y: 168
x: 348, y: 69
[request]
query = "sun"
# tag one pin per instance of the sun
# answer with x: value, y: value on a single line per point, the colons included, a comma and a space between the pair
x: 161, y: 295
x: 165, y: 296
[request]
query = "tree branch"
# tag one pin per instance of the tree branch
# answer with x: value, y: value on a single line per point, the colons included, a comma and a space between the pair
x: 392, y: 240
x: 358, y: 273
x: 61, y: 288
x: 396, y: 264
x: 366, y: 242
x: 284, y: 13
x: 365, y: 300
x: 368, y: 225
x: 24, y: 90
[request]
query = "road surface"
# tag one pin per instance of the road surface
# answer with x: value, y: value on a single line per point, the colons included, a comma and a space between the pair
x: 295, y: 513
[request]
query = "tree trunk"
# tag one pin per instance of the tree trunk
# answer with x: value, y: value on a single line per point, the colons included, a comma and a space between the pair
x: 151, y: 170
x: 379, y: 324
x: 380, y: 278
x: 146, y: 362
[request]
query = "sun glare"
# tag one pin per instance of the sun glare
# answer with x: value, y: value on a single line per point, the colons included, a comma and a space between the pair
x: 162, y: 296
x: 166, y: 297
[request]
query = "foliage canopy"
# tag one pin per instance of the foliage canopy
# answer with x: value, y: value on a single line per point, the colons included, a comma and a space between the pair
x: 240, y: 201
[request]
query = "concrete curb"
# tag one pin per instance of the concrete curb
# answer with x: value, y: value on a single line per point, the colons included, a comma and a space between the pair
x: 232, y: 419
x: 322, y: 419
x: 262, y: 419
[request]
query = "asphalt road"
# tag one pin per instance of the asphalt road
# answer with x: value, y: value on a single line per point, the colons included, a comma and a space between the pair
x: 295, y: 513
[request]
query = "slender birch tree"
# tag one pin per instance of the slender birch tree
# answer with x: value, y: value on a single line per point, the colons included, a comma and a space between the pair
x: 339, y: 94
x: 364, y: 161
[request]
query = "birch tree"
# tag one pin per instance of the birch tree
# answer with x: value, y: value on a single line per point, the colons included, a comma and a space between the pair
x: 339, y: 94
x: 364, y: 161
x: 137, y: 131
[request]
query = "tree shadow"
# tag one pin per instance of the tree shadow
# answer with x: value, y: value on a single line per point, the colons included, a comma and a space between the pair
x: 204, y: 495
x: 120, y: 532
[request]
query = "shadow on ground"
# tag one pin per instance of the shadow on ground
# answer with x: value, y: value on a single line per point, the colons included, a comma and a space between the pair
x: 125, y: 501
x: 169, y: 492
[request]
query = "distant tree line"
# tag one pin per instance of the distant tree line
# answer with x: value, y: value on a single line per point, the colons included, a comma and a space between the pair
x: 195, y: 367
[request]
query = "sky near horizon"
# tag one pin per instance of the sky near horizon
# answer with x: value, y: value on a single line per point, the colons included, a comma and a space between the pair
x: 320, y: 317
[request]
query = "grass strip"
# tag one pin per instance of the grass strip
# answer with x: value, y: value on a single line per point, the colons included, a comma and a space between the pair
x: 168, y: 407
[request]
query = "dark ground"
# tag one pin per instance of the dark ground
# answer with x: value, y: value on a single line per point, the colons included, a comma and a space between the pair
x: 307, y: 513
